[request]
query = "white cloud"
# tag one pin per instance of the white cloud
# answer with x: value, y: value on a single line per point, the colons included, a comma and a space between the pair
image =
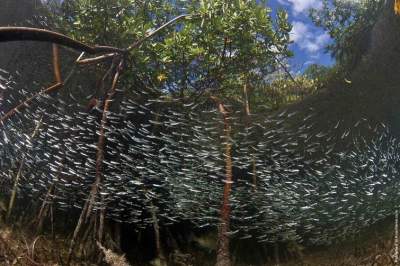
x: 307, y: 40
x: 309, y: 62
x: 301, y: 6
x: 299, y: 31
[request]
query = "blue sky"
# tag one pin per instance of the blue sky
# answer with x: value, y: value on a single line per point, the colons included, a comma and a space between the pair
x: 309, y: 41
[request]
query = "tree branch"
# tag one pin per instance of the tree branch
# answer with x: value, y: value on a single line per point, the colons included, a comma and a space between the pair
x: 151, y: 34
x: 8, y: 34
x: 26, y: 103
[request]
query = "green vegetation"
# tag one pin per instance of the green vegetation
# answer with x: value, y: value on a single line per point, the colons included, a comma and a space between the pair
x: 349, y: 23
x: 219, y: 47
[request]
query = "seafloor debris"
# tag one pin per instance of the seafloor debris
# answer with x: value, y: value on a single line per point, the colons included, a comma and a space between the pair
x: 112, y: 258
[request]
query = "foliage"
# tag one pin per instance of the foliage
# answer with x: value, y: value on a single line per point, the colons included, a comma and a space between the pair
x: 215, y: 48
x: 325, y: 76
x: 282, y: 92
x: 349, y: 23
x: 315, y: 71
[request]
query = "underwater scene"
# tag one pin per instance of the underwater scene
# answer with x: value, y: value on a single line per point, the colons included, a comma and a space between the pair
x: 205, y: 132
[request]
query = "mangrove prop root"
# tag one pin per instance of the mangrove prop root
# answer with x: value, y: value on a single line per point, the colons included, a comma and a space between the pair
x: 28, y: 101
x: 87, y: 209
x: 223, y: 255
